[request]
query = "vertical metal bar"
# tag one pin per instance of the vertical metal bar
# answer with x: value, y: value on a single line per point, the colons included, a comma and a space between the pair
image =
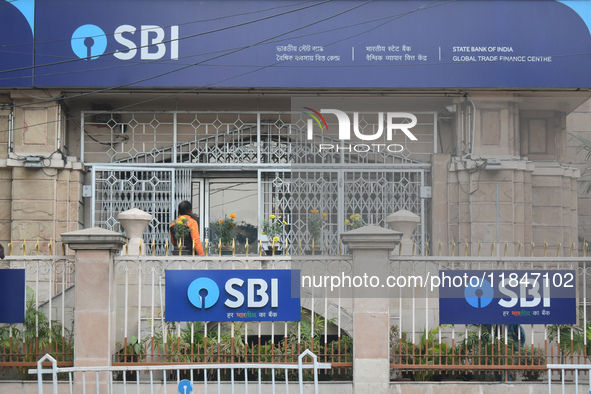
x: 260, y: 378
x: 126, y: 301
x: 286, y: 381
x: 64, y: 302
x: 585, y: 302
x: 49, y: 320
x: 232, y: 379
x: 550, y: 380
x: 413, y: 310
x: 139, y: 301
x: 92, y: 185
x: 259, y: 146
x: 435, y: 132
x: 219, y: 380
x: 152, y: 316
x: 151, y: 382
x: 97, y: 381
x: 205, y: 381
x: 164, y: 375
x: 36, y: 300
x: 82, y: 115
x: 84, y: 382
x: 423, y: 215
x: 175, y: 138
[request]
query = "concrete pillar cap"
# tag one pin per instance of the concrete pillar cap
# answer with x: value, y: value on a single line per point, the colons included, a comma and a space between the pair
x: 94, y: 238
x: 134, y: 214
x: 403, y: 215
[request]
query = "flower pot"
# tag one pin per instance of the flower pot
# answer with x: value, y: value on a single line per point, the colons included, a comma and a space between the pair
x: 269, y: 252
x: 316, y: 251
x: 226, y: 251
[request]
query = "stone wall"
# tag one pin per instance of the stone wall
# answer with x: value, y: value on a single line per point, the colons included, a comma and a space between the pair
x: 37, y: 202
x: 537, y: 187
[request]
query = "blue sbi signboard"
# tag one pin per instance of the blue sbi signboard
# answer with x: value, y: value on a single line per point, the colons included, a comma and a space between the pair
x: 295, y: 44
x: 507, y: 297
x: 232, y: 295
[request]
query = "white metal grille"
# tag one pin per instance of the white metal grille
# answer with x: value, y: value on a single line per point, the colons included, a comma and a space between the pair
x: 156, y: 191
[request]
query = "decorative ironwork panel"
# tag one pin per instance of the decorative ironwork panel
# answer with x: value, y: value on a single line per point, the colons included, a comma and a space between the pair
x: 265, y: 138
x: 130, y: 137
x: 325, y: 147
x: 156, y: 191
x: 376, y: 194
x: 298, y: 197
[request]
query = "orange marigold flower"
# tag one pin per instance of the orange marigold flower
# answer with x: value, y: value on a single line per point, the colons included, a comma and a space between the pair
x: 221, y: 221
x: 232, y: 216
x: 324, y: 214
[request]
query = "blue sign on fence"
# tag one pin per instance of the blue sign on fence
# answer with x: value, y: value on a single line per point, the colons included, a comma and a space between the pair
x: 223, y: 295
x: 12, y: 296
x: 507, y: 297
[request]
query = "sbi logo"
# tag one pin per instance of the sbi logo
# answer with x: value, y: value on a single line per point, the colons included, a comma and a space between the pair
x: 204, y: 293
x: 527, y: 293
x: 90, y: 42
x: 480, y: 295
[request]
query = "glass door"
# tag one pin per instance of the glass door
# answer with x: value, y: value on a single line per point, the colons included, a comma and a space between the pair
x: 217, y: 199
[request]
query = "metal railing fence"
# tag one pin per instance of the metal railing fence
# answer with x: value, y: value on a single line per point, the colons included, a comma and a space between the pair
x: 422, y: 349
x: 49, y: 304
x: 118, y: 375
x: 149, y: 339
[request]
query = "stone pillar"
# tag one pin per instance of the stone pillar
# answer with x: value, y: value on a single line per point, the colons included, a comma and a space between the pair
x: 94, y: 308
x: 134, y: 221
x: 405, y: 222
x: 371, y: 247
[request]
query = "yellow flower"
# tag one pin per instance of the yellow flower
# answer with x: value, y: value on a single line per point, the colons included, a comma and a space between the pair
x: 272, y: 217
x: 262, y: 232
x: 285, y: 223
x: 347, y: 222
x: 275, y: 239
x: 232, y: 216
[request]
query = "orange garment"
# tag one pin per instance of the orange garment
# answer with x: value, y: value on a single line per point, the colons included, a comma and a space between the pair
x: 192, y: 223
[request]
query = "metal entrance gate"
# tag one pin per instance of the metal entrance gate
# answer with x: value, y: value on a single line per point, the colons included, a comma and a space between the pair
x: 153, y: 190
x: 341, y: 193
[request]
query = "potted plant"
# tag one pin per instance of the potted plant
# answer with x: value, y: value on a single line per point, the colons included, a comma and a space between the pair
x: 354, y: 222
x: 226, y: 228
x: 181, y: 234
x: 315, y: 226
x: 273, y: 229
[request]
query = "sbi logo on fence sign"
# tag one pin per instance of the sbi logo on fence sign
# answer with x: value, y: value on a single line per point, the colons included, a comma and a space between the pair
x: 148, y: 42
x: 232, y: 295
x: 204, y: 293
x: 507, y: 297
